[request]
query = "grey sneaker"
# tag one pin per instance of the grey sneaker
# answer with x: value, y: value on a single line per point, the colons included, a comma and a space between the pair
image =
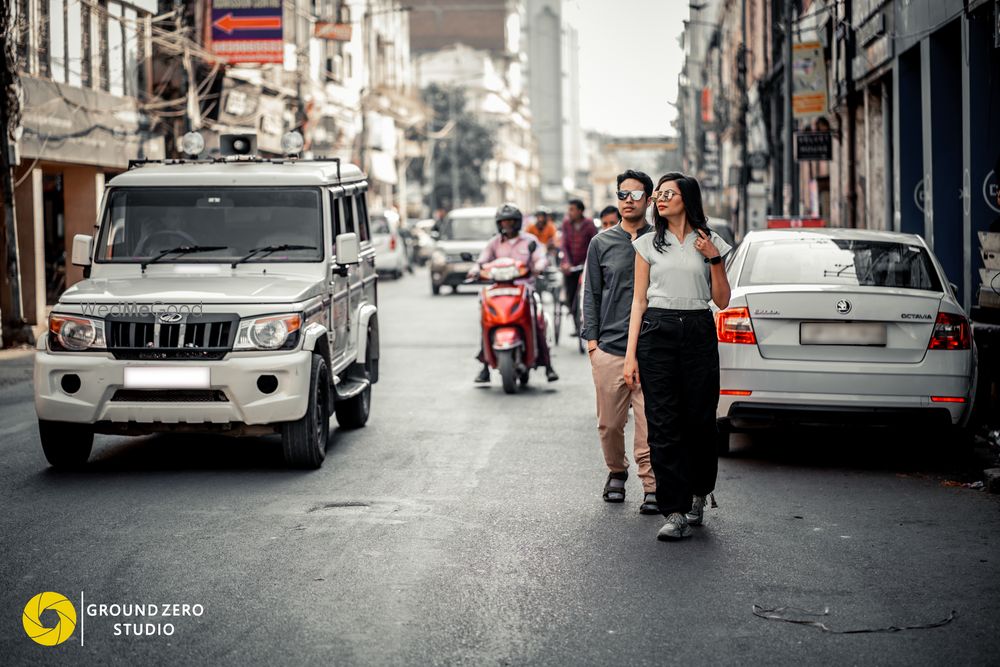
x: 696, y: 515
x: 675, y: 528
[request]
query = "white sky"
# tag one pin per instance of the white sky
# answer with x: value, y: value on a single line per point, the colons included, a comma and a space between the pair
x: 623, y: 44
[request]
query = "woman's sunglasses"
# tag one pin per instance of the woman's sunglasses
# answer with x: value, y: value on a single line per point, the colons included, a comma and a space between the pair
x: 665, y: 195
x: 636, y: 195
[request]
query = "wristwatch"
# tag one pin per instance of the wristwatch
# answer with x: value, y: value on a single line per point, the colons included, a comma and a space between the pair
x: 715, y: 260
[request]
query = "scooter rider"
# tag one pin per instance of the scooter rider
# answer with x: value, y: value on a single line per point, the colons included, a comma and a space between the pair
x: 511, y: 242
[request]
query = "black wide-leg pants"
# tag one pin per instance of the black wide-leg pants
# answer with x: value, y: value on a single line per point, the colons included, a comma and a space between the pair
x: 678, y: 358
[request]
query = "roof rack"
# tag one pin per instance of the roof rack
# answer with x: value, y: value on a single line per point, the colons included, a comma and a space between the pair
x: 142, y: 162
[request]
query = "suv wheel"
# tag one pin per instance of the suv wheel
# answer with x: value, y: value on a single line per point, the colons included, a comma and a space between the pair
x: 304, y: 440
x: 65, y: 445
x: 353, y: 413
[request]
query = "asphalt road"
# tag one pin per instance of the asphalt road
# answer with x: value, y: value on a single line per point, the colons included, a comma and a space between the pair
x: 464, y: 526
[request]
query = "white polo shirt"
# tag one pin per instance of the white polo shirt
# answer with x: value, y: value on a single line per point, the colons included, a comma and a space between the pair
x: 679, y: 276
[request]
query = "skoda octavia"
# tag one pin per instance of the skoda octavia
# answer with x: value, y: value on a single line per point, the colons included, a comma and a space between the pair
x: 838, y: 326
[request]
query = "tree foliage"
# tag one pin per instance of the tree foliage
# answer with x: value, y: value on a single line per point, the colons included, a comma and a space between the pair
x: 469, y: 139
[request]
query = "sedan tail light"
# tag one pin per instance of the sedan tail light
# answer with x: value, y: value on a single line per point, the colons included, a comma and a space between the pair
x: 951, y: 332
x: 733, y: 325
x: 392, y: 243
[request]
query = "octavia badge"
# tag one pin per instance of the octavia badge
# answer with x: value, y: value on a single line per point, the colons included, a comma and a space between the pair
x: 170, y: 318
x: 843, y: 306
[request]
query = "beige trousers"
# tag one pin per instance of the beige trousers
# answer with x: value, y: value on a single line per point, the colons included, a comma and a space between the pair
x: 613, y: 400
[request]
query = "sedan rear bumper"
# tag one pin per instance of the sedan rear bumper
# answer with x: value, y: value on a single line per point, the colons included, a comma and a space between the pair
x: 745, y: 416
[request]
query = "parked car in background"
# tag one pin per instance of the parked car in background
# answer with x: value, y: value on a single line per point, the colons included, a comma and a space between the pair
x: 461, y: 236
x: 842, y: 326
x: 390, y: 250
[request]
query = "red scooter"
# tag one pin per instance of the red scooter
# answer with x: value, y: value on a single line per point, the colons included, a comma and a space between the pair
x: 509, y: 341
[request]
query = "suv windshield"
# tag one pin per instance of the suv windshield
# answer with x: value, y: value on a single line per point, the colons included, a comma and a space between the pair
x: 468, y: 229
x: 141, y: 223
x: 858, y: 263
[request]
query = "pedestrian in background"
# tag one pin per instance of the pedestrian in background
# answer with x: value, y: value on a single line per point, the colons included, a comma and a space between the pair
x: 610, y: 215
x: 576, y: 234
x: 673, y: 352
x: 607, y: 299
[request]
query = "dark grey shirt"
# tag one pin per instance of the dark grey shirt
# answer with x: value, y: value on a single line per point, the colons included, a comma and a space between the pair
x: 607, y: 289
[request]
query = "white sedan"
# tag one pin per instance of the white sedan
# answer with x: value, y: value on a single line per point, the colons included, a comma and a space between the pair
x: 841, y: 326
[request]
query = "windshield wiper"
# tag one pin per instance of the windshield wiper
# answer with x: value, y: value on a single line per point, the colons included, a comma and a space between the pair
x: 268, y: 249
x: 182, y: 250
x: 837, y: 274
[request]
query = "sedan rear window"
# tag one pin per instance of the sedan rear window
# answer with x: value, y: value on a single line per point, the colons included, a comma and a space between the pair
x: 853, y: 262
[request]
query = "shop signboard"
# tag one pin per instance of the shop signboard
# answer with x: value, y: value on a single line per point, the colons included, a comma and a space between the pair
x: 813, y: 146
x: 247, y: 31
x: 339, y: 32
x: 80, y: 125
x: 809, y: 80
x: 793, y: 222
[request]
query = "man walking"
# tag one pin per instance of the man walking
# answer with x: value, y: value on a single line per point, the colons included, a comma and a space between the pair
x: 607, y: 302
x: 576, y: 234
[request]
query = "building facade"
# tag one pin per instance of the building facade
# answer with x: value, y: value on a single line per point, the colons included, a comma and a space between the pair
x: 906, y: 118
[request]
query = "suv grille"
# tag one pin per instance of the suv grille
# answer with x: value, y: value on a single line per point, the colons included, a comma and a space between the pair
x: 196, y: 337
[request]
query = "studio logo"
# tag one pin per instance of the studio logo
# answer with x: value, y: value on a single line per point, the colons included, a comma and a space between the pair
x: 36, y: 629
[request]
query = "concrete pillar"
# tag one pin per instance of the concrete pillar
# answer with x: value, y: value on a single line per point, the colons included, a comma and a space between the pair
x: 31, y: 244
x: 82, y: 190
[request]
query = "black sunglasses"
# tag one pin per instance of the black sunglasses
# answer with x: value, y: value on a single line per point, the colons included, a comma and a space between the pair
x: 636, y: 195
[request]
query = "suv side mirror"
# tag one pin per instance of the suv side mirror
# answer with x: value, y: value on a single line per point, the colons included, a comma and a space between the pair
x: 348, y: 249
x: 83, y: 248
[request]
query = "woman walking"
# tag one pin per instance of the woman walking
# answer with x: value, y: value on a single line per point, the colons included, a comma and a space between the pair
x: 673, y: 351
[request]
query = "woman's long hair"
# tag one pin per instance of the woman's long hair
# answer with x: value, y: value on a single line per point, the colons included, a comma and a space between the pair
x: 691, y: 196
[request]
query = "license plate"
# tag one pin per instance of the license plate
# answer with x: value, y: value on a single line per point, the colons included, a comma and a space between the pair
x: 167, y: 377
x: 842, y: 333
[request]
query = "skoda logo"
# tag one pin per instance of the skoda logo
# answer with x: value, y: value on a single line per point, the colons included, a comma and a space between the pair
x: 843, y: 306
x: 171, y: 318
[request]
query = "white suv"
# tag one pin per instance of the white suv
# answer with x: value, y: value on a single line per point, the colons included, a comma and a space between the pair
x: 234, y: 295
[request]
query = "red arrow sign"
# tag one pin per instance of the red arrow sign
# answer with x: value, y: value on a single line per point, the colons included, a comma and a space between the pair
x: 229, y: 23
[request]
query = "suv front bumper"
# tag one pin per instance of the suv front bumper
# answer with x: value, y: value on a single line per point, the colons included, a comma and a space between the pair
x: 233, y: 379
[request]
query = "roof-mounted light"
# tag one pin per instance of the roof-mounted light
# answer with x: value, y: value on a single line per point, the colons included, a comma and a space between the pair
x: 192, y: 144
x: 292, y: 143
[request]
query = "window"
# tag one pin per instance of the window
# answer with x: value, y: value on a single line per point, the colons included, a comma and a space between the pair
x: 348, y: 214
x: 74, y: 43
x: 856, y: 263
x: 116, y: 50
x: 57, y: 40
x: 132, y: 62
x: 362, y: 209
x: 335, y: 215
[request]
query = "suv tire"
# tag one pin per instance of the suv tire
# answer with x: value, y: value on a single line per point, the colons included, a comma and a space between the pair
x: 304, y: 440
x: 65, y: 445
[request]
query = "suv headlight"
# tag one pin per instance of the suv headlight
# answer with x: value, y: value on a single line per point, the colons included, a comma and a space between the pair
x: 274, y: 332
x: 76, y: 334
x: 438, y: 258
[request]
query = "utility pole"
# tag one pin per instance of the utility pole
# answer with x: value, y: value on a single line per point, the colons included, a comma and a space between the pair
x: 15, y: 329
x: 743, y: 223
x: 791, y: 168
x: 454, y: 147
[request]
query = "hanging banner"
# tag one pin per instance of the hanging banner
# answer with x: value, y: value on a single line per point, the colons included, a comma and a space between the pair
x: 808, y: 80
x: 247, y: 31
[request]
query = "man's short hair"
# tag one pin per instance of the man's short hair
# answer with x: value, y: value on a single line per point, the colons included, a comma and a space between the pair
x: 607, y: 210
x: 579, y: 204
x: 641, y: 176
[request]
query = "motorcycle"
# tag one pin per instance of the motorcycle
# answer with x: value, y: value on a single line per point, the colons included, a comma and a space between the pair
x: 509, y: 340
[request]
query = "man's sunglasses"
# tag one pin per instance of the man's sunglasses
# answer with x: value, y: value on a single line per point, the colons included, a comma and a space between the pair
x: 636, y: 195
